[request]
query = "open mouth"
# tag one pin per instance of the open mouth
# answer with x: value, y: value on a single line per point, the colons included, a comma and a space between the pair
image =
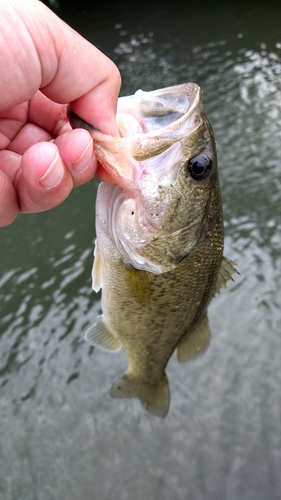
x: 158, y: 111
x: 150, y: 123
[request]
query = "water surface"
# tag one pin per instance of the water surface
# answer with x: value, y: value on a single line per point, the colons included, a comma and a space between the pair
x: 61, y: 435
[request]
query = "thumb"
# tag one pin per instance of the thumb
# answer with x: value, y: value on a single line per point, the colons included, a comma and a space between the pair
x: 8, y: 201
x: 44, y: 181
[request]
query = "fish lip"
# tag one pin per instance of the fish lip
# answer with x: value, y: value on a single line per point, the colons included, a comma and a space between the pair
x: 77, y: 122
x: 176, y: 123
x: 171, y: 133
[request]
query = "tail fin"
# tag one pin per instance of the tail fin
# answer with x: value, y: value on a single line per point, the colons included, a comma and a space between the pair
x: 155, y: 398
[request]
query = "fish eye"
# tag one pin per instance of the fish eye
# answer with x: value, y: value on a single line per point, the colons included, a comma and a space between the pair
x: 199, y: 167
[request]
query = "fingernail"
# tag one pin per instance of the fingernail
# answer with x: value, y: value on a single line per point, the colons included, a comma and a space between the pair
x: 84, y: 160
x: 53, y: 174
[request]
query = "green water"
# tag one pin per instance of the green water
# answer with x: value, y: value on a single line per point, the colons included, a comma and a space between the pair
x: 61, y: 435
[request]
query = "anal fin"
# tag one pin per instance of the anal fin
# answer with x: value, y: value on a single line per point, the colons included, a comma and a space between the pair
x: 100, y: 335
x: 155, y: 398
x: 194, y: 344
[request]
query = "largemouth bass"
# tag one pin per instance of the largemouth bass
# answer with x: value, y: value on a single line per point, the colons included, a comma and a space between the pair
x: 159, y: 247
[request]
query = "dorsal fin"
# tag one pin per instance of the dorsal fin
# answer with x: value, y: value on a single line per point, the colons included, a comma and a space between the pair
x: 193, y: 344
x: 226, y: 271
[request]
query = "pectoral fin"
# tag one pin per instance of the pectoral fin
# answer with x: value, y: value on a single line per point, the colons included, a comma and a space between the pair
x: 99, y: 335
x: 97, y: 270
x: 155, y: 398
x: 226, y: 271
x: 192, y: 345
x: 138, y: 284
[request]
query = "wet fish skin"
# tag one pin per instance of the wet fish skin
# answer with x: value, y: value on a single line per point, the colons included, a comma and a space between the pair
x: 159, y: 251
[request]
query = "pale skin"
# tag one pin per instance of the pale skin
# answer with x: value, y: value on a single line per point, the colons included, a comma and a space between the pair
x: 44, y: 65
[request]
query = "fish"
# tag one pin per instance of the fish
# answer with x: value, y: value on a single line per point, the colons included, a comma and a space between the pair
x: 158, y: 254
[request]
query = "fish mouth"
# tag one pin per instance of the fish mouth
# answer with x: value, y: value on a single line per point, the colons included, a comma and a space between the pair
x: 159, y: 110
x: 163, y: 109
x: 149, y: 123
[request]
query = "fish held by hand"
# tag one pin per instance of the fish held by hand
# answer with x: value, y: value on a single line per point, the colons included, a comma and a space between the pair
x: 159, y: 247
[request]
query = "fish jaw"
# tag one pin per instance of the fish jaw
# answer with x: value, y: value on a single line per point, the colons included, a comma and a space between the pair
x: 149, y: 123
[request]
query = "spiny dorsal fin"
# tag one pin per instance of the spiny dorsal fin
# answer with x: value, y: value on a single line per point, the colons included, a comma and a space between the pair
x: 155, y: 398
x: 226, y: 271
x: 138, y: 284
x: 99, y: 335
x: 192, y: 345
x: 97, y: 270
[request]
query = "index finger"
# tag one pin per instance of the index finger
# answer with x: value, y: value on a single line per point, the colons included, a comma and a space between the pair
x: 43, y: 52
x: 86, y: 78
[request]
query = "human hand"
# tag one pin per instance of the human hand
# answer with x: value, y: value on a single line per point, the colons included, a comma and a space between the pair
x: 44, y: 65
